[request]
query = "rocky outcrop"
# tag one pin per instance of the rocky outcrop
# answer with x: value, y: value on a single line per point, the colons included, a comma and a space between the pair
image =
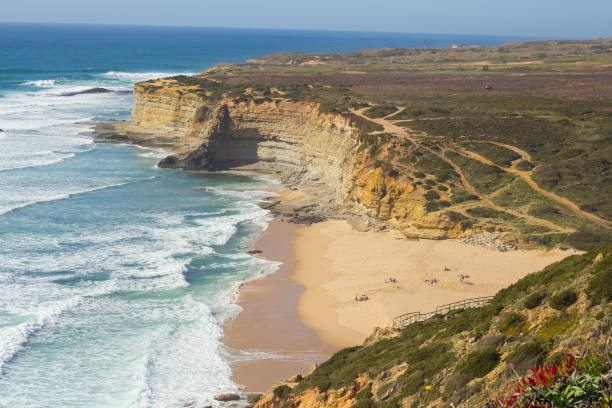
x: 293, y: 139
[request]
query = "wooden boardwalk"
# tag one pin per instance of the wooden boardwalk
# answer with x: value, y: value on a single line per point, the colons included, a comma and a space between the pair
x: 413, y: 317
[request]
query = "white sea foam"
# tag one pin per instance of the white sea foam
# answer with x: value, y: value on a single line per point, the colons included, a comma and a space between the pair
x: 6, y: 208
x: 41, y: 83
x: 13, y: 338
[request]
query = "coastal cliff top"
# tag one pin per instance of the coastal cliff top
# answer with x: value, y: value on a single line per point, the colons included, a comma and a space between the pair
x: 516, y: 137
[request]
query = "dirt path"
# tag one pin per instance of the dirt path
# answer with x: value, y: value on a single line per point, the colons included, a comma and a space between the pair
x: 403, y: 132
x: 526, y: 176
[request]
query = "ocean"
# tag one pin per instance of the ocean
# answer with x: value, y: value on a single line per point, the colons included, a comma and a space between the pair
x: 116, y: 276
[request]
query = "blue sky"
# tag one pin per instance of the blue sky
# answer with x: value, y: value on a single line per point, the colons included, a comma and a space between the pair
x: 541, y: 18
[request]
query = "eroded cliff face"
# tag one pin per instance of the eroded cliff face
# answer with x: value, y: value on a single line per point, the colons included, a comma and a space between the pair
x: 293, y: 139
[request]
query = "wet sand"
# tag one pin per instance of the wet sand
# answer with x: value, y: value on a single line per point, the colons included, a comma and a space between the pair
x: 270, y: 322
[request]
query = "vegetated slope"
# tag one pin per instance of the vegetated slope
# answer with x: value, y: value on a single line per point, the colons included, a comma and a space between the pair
x: 468, y: 357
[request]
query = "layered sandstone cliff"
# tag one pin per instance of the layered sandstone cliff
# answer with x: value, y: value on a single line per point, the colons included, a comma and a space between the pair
x: 294, y: 139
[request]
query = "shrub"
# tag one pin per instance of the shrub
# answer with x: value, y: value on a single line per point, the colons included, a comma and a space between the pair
x: 563, y: 300
x: 479, y: 363
x: 431, y: 195
x: 524, y: 165
x: 563, y: 385
x: 599, y: 289
x: 526, y: 355
x: 281, y: 391
x: 534, y: 300
x: 363, y: 399
x: 511, y: 323
x: 436, y: 205
x: 592, y: 365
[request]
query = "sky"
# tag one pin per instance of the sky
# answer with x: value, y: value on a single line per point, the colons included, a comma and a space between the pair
x: 572, y: 19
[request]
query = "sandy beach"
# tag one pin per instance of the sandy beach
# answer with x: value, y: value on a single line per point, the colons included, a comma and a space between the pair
x: 269, y: 322
x: 306, y: 310
x: 335, y: 262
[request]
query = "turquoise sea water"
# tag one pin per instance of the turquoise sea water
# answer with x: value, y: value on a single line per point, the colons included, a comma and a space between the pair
x: 115, y: 275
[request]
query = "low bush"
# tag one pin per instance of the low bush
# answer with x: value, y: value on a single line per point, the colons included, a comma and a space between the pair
x: 479, y: 363
x: 563, y: 299
x: 281, y: 391
x: 526, y: 355
x: 534, y: 300
x: 431, y: 195
x: 511, y: 323
x: 600, y: 289
x: 524, y: 165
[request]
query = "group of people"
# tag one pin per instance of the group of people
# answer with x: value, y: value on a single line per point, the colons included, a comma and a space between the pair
x: 463, y: 277
x: 361, y: 298
x: 391, y: 280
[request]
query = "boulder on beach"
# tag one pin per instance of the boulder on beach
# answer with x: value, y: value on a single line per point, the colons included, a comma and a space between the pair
x: 254, y: 397
x: 227, y: 397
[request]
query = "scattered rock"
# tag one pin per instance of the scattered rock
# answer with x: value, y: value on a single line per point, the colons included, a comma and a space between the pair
x: 310, y: 214
x: 255, y: 251
x: 254, y: 397
x: 227, y: 397
x: 488, y: 87
x: 87, y: 91
x: 489, y: 240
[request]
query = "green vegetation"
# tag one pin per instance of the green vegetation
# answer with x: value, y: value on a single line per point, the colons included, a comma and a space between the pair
x: 281, y: 391
x: 511, y: 323
x: 479, y: 363
x: 427, y: 347
x: 380, y: 111
x: 524, y: 165
x: 534, y: 300
x: 563, y: 299
x: 459, y: 195
x: 486, y: 212
x: 600, y: 289
x: 497, y: 154
x: 486, y: 179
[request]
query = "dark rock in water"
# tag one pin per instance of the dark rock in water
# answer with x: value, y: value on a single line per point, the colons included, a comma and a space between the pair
x: 169, y: 162
x: 197, y: 159
x: 227, y: 397
x: 1, y: 130
x: 255, y: 251
x: 87, y: 91
x: 254, y: 397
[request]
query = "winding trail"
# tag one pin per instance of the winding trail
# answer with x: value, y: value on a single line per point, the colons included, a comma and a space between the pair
x: 526, y: 176
x: 402, y: 132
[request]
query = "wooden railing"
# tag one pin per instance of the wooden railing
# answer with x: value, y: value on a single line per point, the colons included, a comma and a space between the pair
x: 413, y: 317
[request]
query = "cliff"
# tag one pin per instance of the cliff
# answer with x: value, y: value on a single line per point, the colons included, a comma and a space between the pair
x: 295, y: 139
x: 381, y: 136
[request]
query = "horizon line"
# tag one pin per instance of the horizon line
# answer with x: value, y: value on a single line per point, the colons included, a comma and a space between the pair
x: 534, y: 37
